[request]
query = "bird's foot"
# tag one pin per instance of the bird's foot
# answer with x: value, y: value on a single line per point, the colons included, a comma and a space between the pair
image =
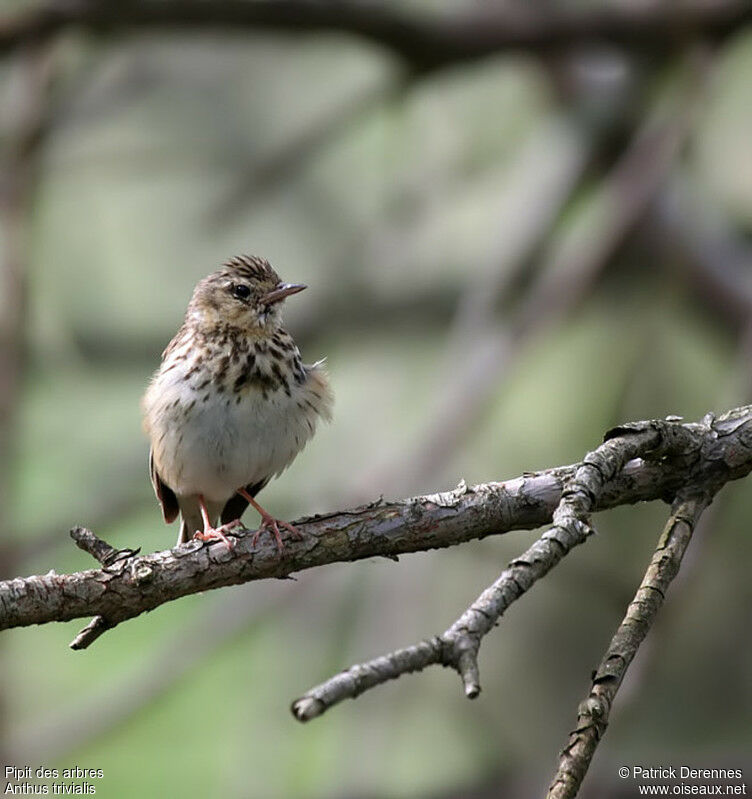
x: 218, y: 533
x: 268, y: 522
x: 272, y: 525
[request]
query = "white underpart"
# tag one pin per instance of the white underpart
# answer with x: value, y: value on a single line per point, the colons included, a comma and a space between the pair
x: 216, y: 446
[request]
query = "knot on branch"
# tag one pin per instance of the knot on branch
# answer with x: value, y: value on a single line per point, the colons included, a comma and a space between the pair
x: 594, y: 711
x: 142, y: 572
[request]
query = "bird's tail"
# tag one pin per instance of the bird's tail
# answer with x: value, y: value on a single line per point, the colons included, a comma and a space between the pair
x: 185, y: 534
x: 190, y: 518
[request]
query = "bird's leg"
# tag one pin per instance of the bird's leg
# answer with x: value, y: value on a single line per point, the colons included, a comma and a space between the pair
x: 212, y: 533
x: 268, y: 522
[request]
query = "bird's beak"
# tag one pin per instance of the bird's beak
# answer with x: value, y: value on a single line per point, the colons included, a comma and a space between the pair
x: 281, y: 291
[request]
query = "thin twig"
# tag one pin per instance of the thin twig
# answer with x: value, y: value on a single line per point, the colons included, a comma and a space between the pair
x: 105, y: 553
x: 593, y: 713
x: 90, y: 633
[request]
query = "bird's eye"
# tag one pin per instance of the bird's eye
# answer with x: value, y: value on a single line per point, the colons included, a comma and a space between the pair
x: 240, y: 290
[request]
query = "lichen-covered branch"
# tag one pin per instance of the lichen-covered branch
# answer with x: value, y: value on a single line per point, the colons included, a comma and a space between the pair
x: 594, y: 711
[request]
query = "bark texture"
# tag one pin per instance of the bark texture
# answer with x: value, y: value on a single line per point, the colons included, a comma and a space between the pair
x: 710, y: 452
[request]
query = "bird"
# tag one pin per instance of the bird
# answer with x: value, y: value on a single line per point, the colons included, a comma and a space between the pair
x: 231, y: 404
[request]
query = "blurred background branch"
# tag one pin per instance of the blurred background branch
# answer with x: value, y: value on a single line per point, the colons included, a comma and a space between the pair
x: 426, y: 41
x: 18, y: 180
x: 18, y: 177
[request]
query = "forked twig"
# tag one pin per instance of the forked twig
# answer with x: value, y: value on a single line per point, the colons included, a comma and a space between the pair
x: 458, y: 646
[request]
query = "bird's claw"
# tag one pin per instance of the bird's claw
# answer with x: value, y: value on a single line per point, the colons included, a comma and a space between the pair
x: 272, y: 525
x: 216, y: 534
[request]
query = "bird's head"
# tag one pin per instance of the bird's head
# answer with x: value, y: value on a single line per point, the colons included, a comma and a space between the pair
x: 244, y: 293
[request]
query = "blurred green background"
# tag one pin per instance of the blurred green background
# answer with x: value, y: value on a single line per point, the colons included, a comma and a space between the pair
x: 506, y: 256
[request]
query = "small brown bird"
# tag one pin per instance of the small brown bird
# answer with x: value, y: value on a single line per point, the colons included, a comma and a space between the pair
x: 231, y: 404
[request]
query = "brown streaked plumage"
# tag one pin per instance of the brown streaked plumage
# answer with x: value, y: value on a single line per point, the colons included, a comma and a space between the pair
x: 232, y: 403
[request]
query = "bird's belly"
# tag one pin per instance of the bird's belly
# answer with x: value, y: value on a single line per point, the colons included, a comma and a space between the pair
x: 214, y: 447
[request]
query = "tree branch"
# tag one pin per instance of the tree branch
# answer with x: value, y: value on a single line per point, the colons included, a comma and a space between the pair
x: 593, y: 713
x: 700, y: 454
x: 426, y: 42
x: 459, y: 645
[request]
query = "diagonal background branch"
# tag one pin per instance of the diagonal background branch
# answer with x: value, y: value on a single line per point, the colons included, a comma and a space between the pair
x: 569, y: 270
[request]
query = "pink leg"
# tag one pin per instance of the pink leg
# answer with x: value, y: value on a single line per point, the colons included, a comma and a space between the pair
x: 212, y: 533
x: 268, y: 522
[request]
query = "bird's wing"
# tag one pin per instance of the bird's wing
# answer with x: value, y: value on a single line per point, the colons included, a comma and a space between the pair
x: 236, y: 505
x: 165, y: 494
